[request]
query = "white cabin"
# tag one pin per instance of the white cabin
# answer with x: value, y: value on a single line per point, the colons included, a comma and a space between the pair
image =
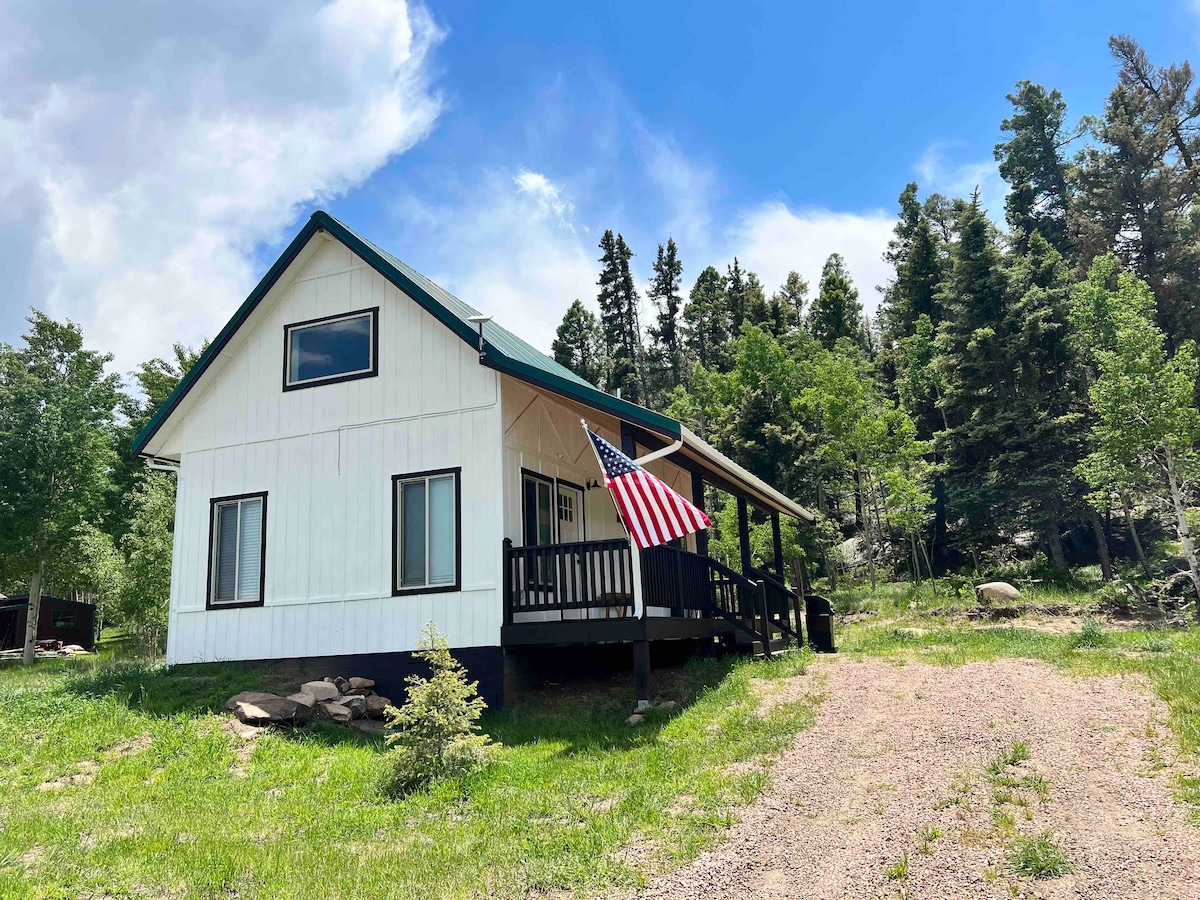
x: 353, y: 463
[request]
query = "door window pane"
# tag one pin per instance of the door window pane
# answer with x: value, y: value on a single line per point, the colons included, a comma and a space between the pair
x: 441, y: 530
x: 545, y: 523
x: 330, y: 349
x: 412, y: 519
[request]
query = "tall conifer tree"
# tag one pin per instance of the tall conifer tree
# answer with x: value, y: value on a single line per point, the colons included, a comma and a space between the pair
x: 619, y: 319
x: 706, y: 322
x: 836, y: 312
x: 1032, y: 163
x: 667, y: 353
x: 578, y: 345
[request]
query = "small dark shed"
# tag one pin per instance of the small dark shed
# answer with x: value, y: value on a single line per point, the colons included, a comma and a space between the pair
x: 59, y: 620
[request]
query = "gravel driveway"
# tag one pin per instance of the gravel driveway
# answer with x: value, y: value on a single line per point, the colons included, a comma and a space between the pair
x: 915, y: 762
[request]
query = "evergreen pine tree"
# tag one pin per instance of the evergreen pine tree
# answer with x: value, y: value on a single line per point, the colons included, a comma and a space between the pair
x: 1032, y: 163
x: 1137, y: 183
x: 618, y: 318
x: 667, y: 353
x: 737, y: 296
x: 1009, y: 446
x: 836, y: 312
x: 577, y: 344
x: 706, y: 322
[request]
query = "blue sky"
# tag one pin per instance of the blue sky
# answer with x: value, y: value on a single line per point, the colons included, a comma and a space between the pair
x: 154, y: 159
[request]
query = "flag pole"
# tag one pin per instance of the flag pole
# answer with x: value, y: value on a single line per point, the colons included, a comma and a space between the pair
x: 635, y: 555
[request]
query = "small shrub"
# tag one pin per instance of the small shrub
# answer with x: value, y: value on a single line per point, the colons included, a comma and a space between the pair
x: 435, y: 734
x: 1156, y: 645
x: 1039, y: 857
x: 1091, y: 635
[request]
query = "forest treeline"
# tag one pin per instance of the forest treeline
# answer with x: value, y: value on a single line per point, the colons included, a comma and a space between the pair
x: 1027, y: 388
x: 1024, y: 389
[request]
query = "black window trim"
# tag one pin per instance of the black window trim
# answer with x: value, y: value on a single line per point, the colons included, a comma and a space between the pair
x: 397, y: 590
x: 373, y: 312
x: 209, y: 602
x: 554, y: 482
x: 538, y: 476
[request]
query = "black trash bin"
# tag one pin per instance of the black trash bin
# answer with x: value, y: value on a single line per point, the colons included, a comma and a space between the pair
x: 819, y: 613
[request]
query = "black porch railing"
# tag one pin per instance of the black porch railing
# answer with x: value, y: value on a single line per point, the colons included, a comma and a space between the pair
x: 581, y: 576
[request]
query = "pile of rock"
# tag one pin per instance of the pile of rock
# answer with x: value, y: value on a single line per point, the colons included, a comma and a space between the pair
x: 347, y: 701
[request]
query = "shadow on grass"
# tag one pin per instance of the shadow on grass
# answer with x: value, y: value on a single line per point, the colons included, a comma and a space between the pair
x: 583, y: 714
x: 589, y: 713
x: 156, y: 690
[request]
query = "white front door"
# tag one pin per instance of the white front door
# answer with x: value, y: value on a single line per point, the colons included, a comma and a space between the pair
x: 570, y: 514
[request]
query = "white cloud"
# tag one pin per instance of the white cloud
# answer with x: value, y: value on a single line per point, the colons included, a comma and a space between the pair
x: 773, y: 239
x: 546, y: 194
x: 937, y: 172
x: 144, y: 153
x: 508, y: 246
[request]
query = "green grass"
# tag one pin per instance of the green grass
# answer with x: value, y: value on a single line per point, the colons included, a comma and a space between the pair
x: 168, y: 803
x: 1038, y: 857
x: 898, y: 870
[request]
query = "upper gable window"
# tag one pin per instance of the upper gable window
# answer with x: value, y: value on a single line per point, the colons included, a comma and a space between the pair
x: 335, y: 348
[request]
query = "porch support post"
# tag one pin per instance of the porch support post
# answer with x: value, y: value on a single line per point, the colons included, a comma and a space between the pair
x: 777, y: 546
x: 698, y: 500
x: 641, y: 672
x: 744, y: 534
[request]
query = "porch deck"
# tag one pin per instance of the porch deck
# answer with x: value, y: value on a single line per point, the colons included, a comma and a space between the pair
x: 583, y: 593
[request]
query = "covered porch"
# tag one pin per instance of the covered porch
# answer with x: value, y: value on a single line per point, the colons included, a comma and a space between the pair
x: 599, y: 591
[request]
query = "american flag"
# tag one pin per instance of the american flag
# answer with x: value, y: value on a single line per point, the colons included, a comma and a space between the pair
x: 653, y: 512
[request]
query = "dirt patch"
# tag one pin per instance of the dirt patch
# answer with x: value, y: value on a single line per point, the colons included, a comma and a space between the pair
x: 136, y: 745
x: 243, y: 747
x: 921, y: 781
x: 86, y: 775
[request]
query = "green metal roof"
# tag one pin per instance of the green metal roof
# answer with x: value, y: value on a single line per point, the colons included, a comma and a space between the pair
x: 503, y: 350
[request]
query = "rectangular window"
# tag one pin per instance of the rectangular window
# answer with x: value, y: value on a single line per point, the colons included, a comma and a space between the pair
x: 336, y: 348
x: 237, y: 536
x: 425, y: 518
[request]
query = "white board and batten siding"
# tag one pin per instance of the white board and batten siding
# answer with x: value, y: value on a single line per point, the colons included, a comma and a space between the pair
x: 325, y: 456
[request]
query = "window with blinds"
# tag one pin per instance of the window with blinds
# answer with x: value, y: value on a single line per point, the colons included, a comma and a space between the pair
x: 425, y: 509
x: 238, y: 533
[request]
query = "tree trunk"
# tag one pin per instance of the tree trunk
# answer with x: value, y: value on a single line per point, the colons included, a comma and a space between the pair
x: 1058, y: 560
x: 1106, y: 569
x: 1185, y: 534
x: 31, y: 616
x: 1133, y: 535
x: 929, y: 566
x: 866, y: 523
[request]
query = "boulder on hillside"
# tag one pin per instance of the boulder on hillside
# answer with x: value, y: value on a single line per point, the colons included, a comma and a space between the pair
x: 269, y: 710
x: 322, y: 690
x: 357, y: 684
x: 247, y: 697
x: 996, y: 591
x: 342, y: 684
x: 377, y: 706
